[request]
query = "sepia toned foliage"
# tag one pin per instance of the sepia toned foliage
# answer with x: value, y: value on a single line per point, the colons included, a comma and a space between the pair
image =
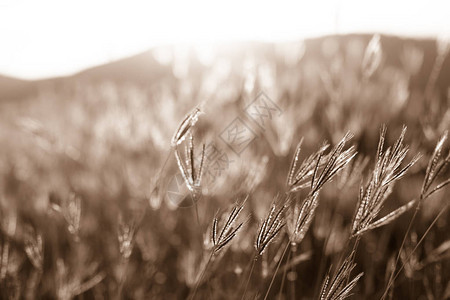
x: 105, y: 191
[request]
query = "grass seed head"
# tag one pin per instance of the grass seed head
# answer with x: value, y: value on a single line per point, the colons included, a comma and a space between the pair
x: 319, y: 168
x: 191, y: 173
x: 334, y: 162
x: 185, y: 126
x: 270, y: 227
x: 338, y: 287
x: 436, y: 166
x: 221, y: 238
x: 299, y: 178
x: 386, y: 172
x: 299, y: 218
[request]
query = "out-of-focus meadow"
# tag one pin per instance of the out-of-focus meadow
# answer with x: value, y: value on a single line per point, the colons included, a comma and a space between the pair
x: 93, y: 205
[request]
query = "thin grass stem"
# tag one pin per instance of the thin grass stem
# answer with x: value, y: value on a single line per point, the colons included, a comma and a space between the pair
x: 415, y: 248
x: 284, y: 274
x: 276, y: 270
x: 249, y: 276
x: 197, y: 284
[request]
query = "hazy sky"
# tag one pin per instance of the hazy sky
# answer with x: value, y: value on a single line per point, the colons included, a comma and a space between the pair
x: 56, y: 37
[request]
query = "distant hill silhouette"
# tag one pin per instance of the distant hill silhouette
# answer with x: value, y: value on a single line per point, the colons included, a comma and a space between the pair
x: 144, y: 69
x: 140, y: 69
x: 12, y: 88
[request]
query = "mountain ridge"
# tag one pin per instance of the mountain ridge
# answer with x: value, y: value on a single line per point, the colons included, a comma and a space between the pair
x: 144, y: 69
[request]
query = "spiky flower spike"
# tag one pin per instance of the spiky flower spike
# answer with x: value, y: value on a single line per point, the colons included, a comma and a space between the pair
x: 228, y: 231
x: 301, y: 216
x: 185, y: 126
x: 386, y: 172
x: 334, y: 162
x: 435, y: 167
x: 337, y: 287
x: 191, y: 175
x: 270, y: 227
x: 300, y: 178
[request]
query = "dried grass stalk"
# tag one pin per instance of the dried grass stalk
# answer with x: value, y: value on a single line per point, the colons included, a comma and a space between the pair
x: 386, y: 172
x: 223, y: 237
x: 322, y: 169
x: 192, y: 175
x: 270, y: 227
x: 185, y: 126
x: 436, y: 166
x: 300, y: 217
x: 338, y: 287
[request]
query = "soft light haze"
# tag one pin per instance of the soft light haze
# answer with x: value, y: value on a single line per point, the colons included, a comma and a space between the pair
x: 52, y: 38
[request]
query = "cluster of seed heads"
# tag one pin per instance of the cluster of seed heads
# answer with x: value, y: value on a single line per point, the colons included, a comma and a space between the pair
x: 322, y: 168
x: 307, y: 174
x: 300, y: 217
x: 270, y: 227
x: 300, y: 176
x: 436, y: 166
x: 334, y: 162
x: 338, y: 287
x: 386, y: 172
x: 229, y: 230
x: 192, y: 174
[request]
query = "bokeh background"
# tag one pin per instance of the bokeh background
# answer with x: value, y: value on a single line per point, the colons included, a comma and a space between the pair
x: 85, y: 156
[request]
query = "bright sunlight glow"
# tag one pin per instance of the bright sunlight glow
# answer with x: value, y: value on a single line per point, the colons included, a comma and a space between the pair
x: 51, y: 38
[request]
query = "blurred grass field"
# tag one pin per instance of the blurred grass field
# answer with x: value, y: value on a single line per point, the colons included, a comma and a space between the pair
x: 82, y: 162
